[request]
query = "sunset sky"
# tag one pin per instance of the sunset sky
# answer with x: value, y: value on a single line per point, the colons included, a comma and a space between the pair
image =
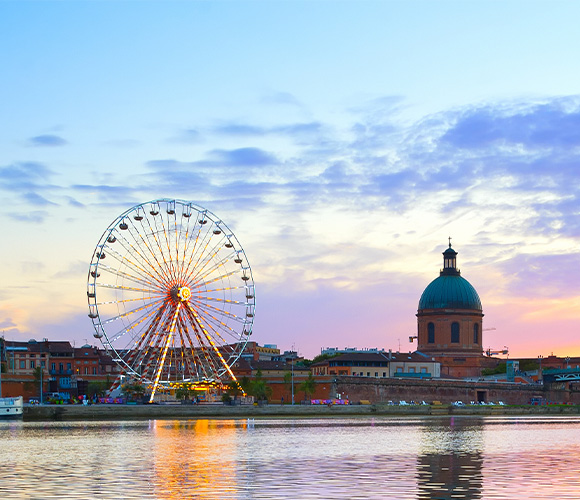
x: 342, y: 141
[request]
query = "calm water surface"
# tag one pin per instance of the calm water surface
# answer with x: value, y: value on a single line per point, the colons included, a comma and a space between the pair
x: 357, y: 458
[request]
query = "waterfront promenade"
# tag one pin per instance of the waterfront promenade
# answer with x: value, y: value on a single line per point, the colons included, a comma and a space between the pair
x: 176, y: 411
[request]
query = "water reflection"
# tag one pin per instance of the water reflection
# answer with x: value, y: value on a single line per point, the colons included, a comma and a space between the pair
x: 196, y: 457
x: 359, y: 458
x: 450, y: 461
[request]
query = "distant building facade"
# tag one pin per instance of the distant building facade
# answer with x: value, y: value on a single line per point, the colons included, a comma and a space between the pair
x: 65, y: 368
x: 378, y: 365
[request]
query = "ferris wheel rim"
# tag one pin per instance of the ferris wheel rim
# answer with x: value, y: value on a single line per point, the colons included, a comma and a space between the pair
x: 213, y: 309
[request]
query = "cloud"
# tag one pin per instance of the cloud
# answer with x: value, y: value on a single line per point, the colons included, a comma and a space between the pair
x: 284, y: 98
x: 24, y: 176
x: 47, y: 141
x: 216, y: 158
x: 188, y: 136
x: 37, y: 200
x: 554, y: 124
x: 551, y: 275
x: 33, y: 217
x: 243, y: 157
x: 289, y: 130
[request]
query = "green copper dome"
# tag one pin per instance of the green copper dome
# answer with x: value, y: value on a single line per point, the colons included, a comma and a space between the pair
x: 450, y: 292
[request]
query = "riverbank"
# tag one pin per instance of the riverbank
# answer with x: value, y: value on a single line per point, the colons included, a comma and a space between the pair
x: 161, y: 412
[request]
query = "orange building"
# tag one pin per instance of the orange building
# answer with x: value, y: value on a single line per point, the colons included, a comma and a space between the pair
x: 450, y: 322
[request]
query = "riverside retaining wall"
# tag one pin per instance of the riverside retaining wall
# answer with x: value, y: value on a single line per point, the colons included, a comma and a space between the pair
x: 166, y: 412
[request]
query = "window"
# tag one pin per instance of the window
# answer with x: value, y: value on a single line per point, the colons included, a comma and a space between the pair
x: 32, y: 363
x: 384, y: 374
x: 455, y: 332
x: 476, y: 333
x: 376, y: 374
x: 94, y: 370
x: 411, y: 369
x: 431, y: 333
x: 53, y: 366
x: 368, y: 374
x: 86, y: 371
x: 69, y: 366
x: 22, y: 363
x: 399, y: 369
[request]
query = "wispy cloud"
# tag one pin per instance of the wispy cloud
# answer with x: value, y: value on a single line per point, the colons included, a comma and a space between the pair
x: 24, y: 176
x: 47, y: 140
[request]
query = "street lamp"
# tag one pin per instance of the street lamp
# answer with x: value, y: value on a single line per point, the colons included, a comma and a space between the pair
x: 292, y: 367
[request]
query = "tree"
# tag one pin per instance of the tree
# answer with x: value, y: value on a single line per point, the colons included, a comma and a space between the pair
x: 233, y: 389
x: 246, y: 384
x: 308, y: 386
x: 260, y: 388
x: 97, y: 388
x: 133, y: 390
x: 184, y: 391
x: 35, y: 384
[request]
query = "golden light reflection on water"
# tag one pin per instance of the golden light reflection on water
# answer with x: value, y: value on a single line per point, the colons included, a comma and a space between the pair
x: 196, y: 457
x: 360, y: 458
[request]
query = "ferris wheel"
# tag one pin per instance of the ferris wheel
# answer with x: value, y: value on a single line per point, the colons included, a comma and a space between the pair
x: 171, y: 295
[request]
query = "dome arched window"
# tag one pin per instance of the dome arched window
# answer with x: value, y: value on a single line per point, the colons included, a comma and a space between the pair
x: 455, y: 332
x: 431, y: 333
x: 476, y: 333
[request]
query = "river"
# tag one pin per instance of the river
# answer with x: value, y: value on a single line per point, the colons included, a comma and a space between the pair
x: 332, y: 458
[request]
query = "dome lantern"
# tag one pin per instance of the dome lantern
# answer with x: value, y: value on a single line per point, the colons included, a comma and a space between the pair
x: 450, y: 261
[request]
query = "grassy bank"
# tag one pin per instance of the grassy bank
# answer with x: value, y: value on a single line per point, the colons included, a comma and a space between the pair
x: 137, y: 412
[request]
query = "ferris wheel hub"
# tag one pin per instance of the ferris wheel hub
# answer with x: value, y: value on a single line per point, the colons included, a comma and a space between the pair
x: 184, y: 293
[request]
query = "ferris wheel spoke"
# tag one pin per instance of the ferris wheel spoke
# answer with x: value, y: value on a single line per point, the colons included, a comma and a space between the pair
x: 138, y: 280
x: 166, y: 346
x: 211, y: 371
x: 188, y: 240
x: 153, y: 348
x: 192, y: 350
x: 205, y: 259
x: 126, y: 288
x: 149, y: 314
x: 206, y: 308
x: 132, y: 263
x: 163, y: 249
x: 149, y: 250
x: 131, y: 312
x: 200, y: 255
x: 136, y: 351
x: 202, y: 275
x: 212, y: 343
x: 217, y: 326
x: 197, y: 285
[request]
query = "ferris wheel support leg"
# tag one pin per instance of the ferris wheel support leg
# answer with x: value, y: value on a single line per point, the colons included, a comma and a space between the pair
x: 114, y: 387
x: 162, y: 362
x: 215, y: 348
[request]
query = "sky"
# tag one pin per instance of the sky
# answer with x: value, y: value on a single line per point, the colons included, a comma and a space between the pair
x: 342, y: 141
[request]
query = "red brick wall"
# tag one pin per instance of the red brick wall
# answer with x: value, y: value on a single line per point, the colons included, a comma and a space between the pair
x: 446, y: 391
